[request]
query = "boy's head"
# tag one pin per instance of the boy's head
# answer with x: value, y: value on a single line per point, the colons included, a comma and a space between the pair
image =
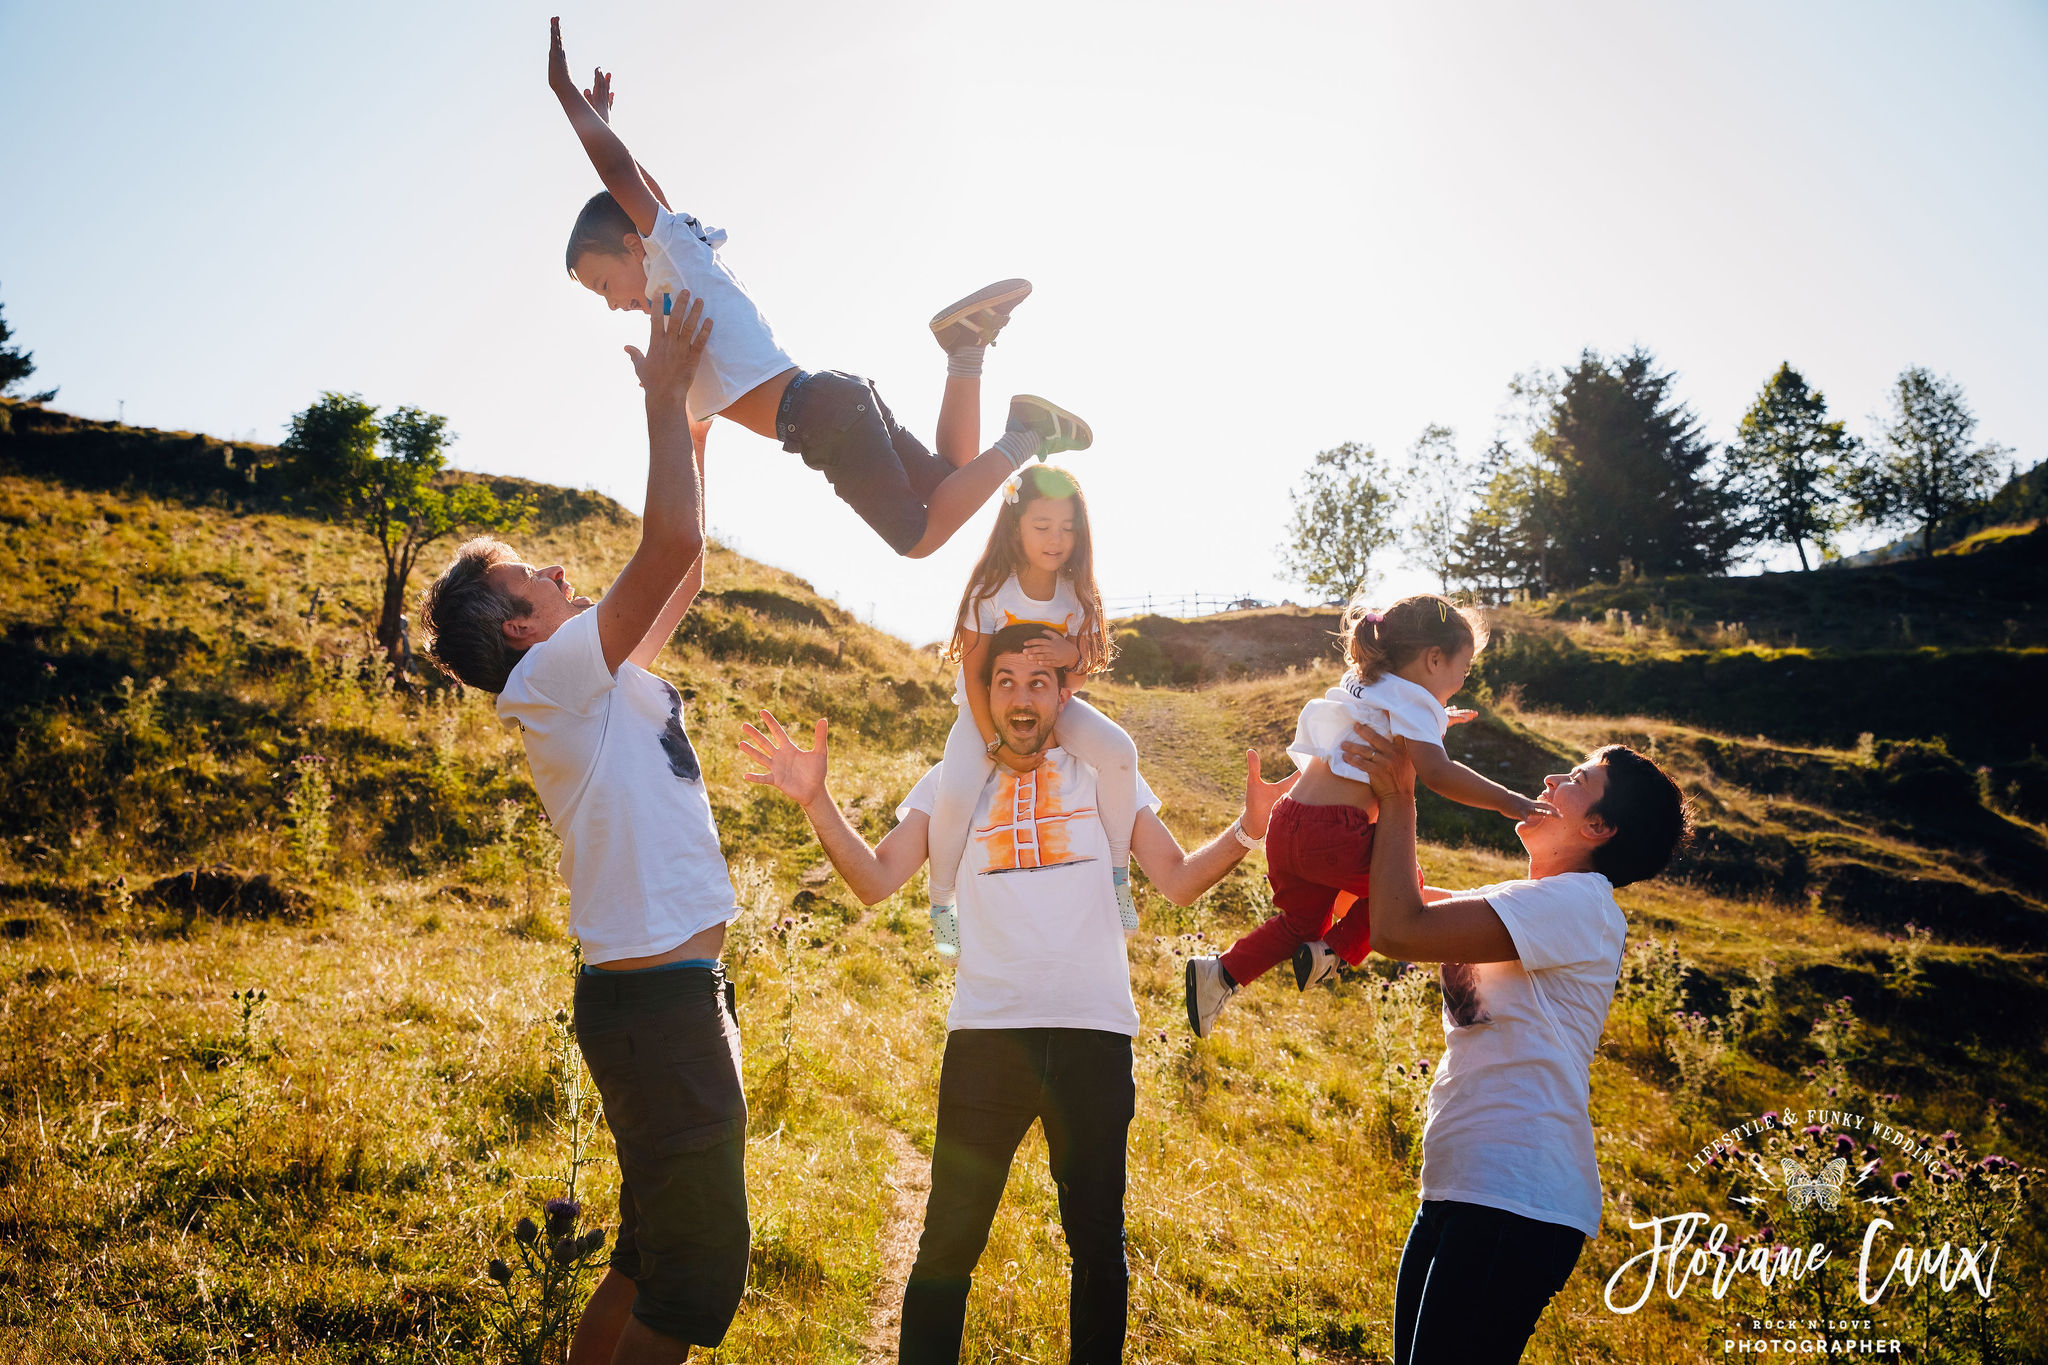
x: 606, y: 255
x: 488, y: 608
x: 1618, y: 814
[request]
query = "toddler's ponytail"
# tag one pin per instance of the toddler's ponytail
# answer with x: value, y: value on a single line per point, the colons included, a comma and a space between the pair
x: 1377, y: 643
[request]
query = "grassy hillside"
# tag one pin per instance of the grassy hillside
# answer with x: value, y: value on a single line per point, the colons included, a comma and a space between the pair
x: 189, y: 1172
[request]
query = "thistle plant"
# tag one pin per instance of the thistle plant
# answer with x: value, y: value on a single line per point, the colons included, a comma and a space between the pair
x: 543, y: 1294
x: 308, y: 801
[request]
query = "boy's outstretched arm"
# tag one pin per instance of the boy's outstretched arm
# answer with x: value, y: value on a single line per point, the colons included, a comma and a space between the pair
x: 871, y: 873
x: 614, y: 164
x: 599, y: 94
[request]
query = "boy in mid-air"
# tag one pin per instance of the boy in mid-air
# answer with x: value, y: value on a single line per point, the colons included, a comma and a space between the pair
x: 628, y: 247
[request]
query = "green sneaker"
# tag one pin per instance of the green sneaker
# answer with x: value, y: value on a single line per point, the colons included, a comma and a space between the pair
x: 1056, y: 428
x: 975, y: 320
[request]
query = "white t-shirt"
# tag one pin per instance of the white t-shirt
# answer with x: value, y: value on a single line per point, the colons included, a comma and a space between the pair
x: 1041, y: 945
x: 621, y: 783
x: 1508, y: 1121
x: 1008, y: 606
x: 682, y: 254
x: 1391, y: 705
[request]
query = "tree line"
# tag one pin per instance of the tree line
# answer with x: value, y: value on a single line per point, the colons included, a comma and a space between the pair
x: 1611, y: 475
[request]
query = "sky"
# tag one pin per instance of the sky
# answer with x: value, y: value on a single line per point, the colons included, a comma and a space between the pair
x: 1255, y: 231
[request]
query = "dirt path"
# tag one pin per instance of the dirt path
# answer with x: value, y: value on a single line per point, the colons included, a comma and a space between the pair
x: 910, y: 1181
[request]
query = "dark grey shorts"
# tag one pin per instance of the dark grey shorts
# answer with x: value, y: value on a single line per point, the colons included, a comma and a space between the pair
x: 664, y: 1050
x: 841, y: 427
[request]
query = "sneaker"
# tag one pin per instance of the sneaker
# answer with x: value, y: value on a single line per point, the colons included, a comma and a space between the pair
x: 975, y: 320
x: 1314, y: 964
x: 1208, y: 993
x: 946, y: 930
x: 1056, y: 428
x: 1126, y: 903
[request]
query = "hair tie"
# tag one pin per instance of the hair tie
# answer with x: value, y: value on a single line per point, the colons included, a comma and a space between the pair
x: 1443, y: 612
x: 1375, y: 617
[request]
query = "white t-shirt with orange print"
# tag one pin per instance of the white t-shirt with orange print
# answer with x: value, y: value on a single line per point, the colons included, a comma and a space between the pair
x: 1041, y: 945
x: 1008, y: 606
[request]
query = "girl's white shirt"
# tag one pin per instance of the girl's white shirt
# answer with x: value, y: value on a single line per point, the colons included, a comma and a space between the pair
x: 1010, y: 605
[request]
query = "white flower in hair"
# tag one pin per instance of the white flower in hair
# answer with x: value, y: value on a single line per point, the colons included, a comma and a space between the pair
x: 1013, y: 488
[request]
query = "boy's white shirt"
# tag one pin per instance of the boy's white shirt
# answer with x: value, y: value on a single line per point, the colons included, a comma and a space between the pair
x: 622, y: 785
x: 1508, y: 1124
x: 1390, y: 704
x: 1041, y: 944
x: 682, y: 254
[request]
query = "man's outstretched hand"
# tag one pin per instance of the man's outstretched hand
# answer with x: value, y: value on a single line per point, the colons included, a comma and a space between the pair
x: 1260, y: 796
x: 797, y: 773
x: 674, y: 346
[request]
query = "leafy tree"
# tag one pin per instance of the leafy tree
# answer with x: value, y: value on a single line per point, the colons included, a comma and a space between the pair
x: 1789, y: 467
x: 398, y: 494
x: 1924, y: 468
x: 16, y: 365
x: 1629, y: 468
x: 1343, y: 517
x: 1436, y: 493
x: 1505, y: 542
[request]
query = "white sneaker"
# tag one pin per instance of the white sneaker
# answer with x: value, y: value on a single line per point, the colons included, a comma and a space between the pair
x: 1127, y: 906
x: 946, y: 930
x: 1314, y: 964
x: 1208, y: 993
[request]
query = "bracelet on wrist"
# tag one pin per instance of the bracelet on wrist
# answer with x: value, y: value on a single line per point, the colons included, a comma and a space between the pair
x: 1237, y: 828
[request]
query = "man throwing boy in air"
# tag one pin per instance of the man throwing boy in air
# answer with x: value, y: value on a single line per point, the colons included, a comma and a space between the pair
x: 649, y: 898
x: 628, y: 248
x: 1042, y: 1015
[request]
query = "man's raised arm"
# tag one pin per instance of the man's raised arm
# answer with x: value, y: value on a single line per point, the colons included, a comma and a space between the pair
x: 873, y: 873
x: 1181, y: 876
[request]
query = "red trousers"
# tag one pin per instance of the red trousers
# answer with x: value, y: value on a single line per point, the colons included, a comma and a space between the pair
x: 1314, y: 854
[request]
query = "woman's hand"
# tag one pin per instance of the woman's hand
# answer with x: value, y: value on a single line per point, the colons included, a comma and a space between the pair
x: 1053, y: 650
x: 1260, y: 796
x: 1385, y: 760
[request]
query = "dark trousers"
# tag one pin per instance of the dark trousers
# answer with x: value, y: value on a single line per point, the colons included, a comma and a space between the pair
x: 993, y: 1083
x: 1473, y: 1282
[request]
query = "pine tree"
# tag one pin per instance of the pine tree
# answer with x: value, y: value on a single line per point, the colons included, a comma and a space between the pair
x: 1789, y: 467
x: 17, y: 365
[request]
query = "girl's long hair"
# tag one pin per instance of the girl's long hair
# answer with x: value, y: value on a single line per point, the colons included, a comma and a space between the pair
x: 1005, y: 554
x: 1378, y: 643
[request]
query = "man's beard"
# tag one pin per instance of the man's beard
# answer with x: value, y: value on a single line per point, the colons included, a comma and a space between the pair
x: 1036, y: 744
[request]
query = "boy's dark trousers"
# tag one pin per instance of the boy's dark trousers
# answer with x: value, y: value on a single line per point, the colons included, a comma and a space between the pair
x: 993, y: 1083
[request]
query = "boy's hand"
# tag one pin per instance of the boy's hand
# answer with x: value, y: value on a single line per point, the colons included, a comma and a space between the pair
x: 674, y: 346
x: 1458, y: 715
x: 558, y: 60
x: 798, y: 774
x: 600, y: 92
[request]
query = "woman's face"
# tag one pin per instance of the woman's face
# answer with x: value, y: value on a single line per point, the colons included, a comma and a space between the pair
x: 1047, y: 532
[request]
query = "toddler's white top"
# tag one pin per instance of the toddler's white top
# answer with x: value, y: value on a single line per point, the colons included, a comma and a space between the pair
x: 1391, y: 705
x: 682, y: 254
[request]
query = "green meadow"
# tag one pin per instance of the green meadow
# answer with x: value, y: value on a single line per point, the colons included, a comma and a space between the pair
x: 291, y: 1103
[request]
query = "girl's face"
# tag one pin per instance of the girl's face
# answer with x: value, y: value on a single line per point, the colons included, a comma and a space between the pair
x: 1444, y: 674
x: 1046, y: 531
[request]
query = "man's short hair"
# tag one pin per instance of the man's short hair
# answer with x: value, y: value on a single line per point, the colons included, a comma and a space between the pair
x: 1011, y: 640
x: 465, y: 616
x: 1647, y: 813
x: 601, y: 227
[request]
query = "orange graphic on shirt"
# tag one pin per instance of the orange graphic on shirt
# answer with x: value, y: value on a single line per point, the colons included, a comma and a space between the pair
x: 1027, y: 825
x: 1012, y: 619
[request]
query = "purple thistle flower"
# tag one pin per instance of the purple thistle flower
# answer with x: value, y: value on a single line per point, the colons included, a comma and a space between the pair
x: 1844, y: 1144
x: 525, y: 1232
x: 1902, y: 1181
x: 499, y: 1271
x: 562, y: 1215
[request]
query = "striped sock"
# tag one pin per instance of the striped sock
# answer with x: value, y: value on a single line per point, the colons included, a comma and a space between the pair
x: 1019, y: 445
x: 964, y: 362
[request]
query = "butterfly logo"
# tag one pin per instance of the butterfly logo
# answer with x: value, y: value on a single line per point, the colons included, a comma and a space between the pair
x: 1805, y: 1187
